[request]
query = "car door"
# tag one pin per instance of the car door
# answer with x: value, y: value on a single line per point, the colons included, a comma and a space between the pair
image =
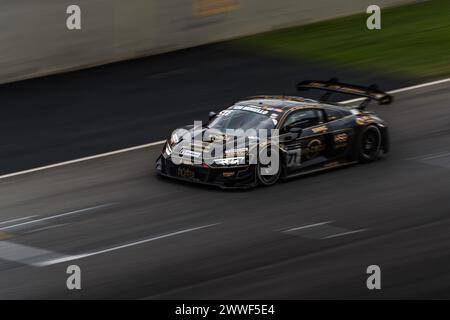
x: 342, y: 134
x: 308, y: 149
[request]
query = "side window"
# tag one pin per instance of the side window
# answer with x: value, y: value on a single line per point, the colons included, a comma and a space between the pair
x: 333, y: 114
x: 303, y: 119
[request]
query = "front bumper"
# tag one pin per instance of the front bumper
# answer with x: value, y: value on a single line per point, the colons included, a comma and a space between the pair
x: 237, y: 177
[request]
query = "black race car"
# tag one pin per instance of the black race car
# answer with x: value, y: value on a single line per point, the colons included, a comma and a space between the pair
x: 262, y: 139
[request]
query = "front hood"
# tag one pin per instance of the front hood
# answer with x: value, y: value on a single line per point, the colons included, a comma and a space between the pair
x: 207, y: 145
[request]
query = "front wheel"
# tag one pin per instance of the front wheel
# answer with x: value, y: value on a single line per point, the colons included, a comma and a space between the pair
x: 369, y: 145
x: 268, y: 174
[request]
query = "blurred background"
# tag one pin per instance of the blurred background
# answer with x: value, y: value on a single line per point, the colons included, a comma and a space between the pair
x: 139, y: 69
x: 35, y: 39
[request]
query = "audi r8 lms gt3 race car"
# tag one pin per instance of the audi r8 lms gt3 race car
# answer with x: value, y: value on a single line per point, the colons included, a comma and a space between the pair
x: 262, y: 139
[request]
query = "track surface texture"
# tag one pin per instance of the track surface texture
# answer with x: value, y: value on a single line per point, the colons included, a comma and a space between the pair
x: 78, y: 114
x: 138, y: 236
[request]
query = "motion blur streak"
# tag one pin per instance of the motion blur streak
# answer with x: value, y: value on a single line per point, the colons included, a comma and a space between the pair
x: 401, y: 200
x: 65, y: 163
x: 50, y: 217
x: 157, y: 143
x: 123, y: 246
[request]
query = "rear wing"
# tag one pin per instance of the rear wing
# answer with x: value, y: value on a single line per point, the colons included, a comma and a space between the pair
x: 370, y: 93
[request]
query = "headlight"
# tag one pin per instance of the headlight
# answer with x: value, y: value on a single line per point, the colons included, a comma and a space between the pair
x: 168, y: 149
x: 230, y: 161
x: 174, y: 139
x: 241, y: 152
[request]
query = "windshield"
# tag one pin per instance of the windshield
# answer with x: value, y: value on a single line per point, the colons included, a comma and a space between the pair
x: 240, y: 119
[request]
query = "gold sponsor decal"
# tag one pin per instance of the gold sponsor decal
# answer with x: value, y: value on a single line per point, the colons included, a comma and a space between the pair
x: 363, y: 120
x: 228, y: 174
x: 185, y: 173
x: 320, y: 129
x: 204, y: 8
x: 341, y: 138
x: 331, y: 164
x: 313, y: 149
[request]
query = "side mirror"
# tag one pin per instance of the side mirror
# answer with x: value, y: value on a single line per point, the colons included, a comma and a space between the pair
x: 212, y: 115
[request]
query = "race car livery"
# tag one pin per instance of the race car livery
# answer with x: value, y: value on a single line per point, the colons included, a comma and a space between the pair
x: 262, y: 139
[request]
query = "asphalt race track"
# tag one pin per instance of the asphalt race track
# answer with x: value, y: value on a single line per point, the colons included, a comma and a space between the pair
x: 135, y: 235
x: 77, y: 114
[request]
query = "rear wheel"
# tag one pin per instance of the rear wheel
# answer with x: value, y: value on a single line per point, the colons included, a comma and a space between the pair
x: 369, y: 145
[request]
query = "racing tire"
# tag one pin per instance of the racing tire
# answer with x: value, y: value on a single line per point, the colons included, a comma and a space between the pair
x: 369, y: 145
x: 267, y: 180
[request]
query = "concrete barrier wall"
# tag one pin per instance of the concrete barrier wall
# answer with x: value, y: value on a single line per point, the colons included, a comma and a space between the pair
x: 35, y: 41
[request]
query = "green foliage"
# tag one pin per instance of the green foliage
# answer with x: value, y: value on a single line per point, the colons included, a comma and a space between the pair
x: 414, y: 41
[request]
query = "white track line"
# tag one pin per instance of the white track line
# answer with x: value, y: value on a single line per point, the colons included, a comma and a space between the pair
x: 436, y: 156
x: 344, y: 233
x: 428, y: 156
x: 308, y: 226
x: 102, y: 155
x: 94, y: 253
x: 16, y: 219
x: 53, y: 217
x: 46, y: 228
x: 419, y: 86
